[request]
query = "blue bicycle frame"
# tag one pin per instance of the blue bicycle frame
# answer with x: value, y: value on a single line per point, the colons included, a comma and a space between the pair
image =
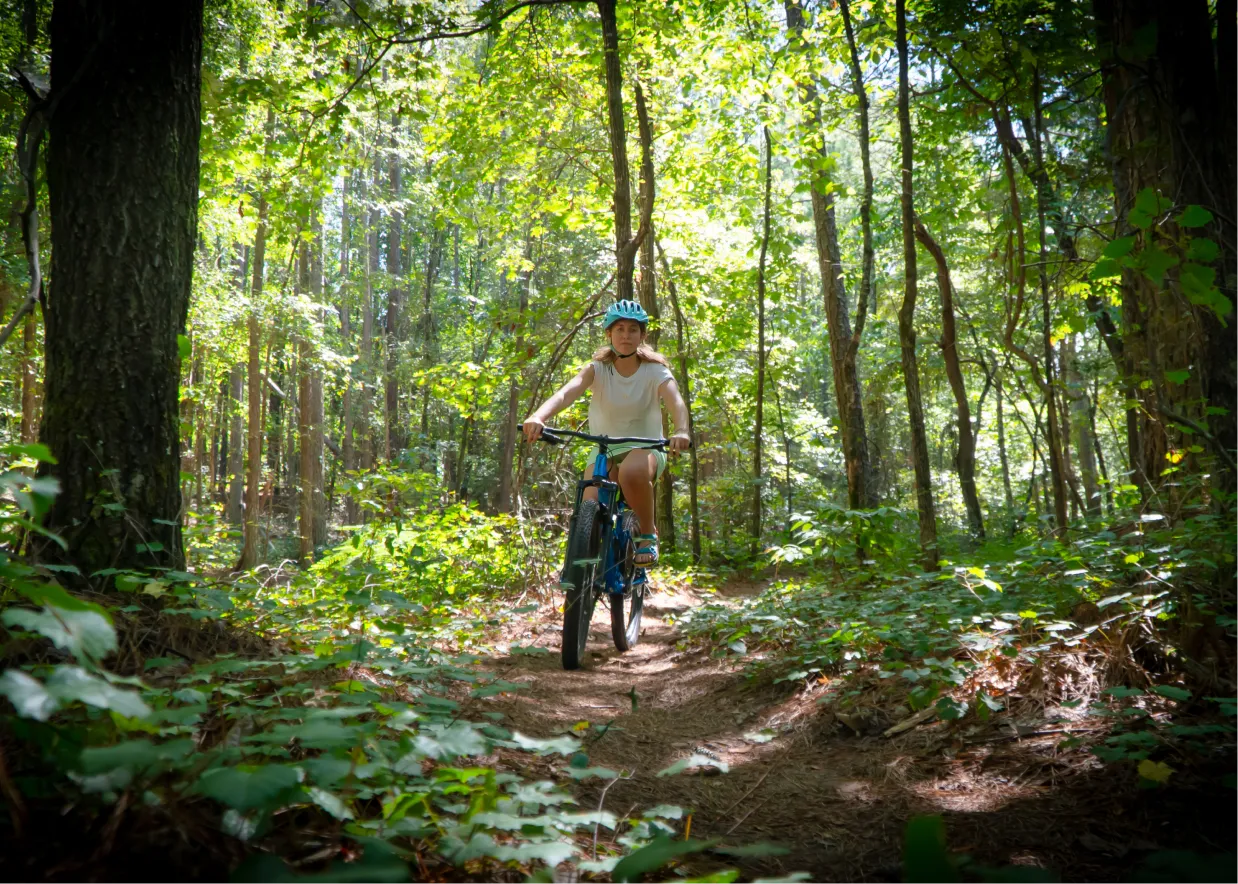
x: 612, y: 505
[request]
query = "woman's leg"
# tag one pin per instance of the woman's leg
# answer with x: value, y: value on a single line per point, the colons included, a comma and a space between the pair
x: 636, y: 476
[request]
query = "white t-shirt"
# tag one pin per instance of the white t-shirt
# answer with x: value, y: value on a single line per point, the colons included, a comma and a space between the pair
x: 623, y: 406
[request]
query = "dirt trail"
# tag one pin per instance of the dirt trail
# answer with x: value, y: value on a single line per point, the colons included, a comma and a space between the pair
x: 836, y: 800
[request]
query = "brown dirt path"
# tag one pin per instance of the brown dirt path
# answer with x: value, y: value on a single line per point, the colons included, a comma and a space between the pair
x: 836, y: 800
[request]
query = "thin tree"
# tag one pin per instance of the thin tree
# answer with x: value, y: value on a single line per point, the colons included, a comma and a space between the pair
x: 757, y: 477
x: 965, y: 460
x: 906, y: 313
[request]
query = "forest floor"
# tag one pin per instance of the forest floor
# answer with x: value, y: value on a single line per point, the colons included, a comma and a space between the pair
x: 837, y: 799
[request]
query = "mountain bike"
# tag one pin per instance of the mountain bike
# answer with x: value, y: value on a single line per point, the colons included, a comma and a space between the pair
x: 599, y: 562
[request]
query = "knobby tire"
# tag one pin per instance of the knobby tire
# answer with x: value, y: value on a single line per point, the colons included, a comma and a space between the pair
x: 582, y: 575
x: 626, y: 610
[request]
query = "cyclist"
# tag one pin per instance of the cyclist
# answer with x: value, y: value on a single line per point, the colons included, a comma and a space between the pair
x: 627, y: 378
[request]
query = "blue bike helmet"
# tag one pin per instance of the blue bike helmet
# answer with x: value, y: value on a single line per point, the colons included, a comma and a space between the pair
x: 624, y: 310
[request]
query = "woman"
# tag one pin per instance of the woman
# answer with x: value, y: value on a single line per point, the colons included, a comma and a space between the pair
x: 627, y: 378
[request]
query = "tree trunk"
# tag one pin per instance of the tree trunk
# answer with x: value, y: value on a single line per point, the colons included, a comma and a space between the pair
x: 234, y: 509
x: 1001, y: 443
x: 365, y: 381
x: 906, y: 313
x: 757, y: 477
x: 844, y: 344
x: 648, y: 294
x: 305, y: 446
x: 685, y: 385
x: 1084, y: 444
x: 625, y: 244
x: 965, y: 461
x: 394, y: 432
x: 507, y: 452
x: 1170, y: 132
x: 123, y: 145
x: 317, y: 408
x: 253, y: 480
x: 29, y: 379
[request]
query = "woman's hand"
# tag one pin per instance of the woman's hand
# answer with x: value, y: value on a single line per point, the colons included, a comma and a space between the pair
x: 532, y: 429
x: 680, y: 442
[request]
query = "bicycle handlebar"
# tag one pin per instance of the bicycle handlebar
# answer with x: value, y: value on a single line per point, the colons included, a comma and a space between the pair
x: 552, y: 436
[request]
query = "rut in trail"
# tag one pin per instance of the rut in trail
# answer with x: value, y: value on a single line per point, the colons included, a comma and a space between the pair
x: 688, y: 703
x: 838, y: 802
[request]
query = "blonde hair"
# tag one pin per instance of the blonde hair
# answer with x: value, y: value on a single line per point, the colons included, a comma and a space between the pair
x: 644, y: 353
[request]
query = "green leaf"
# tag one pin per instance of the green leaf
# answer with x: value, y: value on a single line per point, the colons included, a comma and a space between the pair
x: 28, y: 695
x: 71, y: 683
x: 33, y: 450
x: 1171, y: 692
x: 249, y: 789
x: 924, y: 851
x: 1203, y: 250
x: 184, y: 347
x: 1150, y: 202
x: 1194, y: 216
x: 1181, y: 376
x: 1119, y: 248
x: 1156, y: 262
x: 654, y: 856
x: 1105, y: 268
x: 82, y: 633
x: 135, y: 755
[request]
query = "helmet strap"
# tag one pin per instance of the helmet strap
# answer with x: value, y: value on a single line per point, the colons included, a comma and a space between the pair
x: 621, y: 355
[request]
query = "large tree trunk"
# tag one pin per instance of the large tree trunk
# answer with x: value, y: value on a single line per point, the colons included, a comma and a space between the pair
x: 906, y: 313
x: 1170, y: 130
x: 757, y: 477
x: 122, y: 171
x: 844, y: 344
x: 965, y: 461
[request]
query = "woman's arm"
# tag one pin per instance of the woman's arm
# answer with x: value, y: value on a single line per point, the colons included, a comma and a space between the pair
x: 562, y: 398
x: 669, y: 391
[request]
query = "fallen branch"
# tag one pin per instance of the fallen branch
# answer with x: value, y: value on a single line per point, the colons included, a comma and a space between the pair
x: 908, y: 723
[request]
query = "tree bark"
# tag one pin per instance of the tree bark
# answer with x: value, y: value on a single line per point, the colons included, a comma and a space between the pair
x: 29, y: 379
x: 694, y: 513
x: 844, y: 343
x: 906, y: 313
x: 1084, y: 443
x: 1170, y: 129
x: 757, y: 477
x: 317, y: 409
x: 234, y: 508
x: 253, y: 478
x: 123, y: 147
x: 394, y: 432
x: 965, y: 460
x: 626, y: 245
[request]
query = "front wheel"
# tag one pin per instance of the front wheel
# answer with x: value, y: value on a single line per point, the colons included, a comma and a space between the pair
x: 584, y: 549
x: 626, y: 610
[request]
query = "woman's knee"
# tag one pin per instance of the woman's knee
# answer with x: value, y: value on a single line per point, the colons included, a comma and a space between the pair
x: 639, y: 466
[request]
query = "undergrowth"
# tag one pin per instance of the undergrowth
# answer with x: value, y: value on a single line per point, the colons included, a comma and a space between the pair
x: 349, y: 738
x: 1135, y: 629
